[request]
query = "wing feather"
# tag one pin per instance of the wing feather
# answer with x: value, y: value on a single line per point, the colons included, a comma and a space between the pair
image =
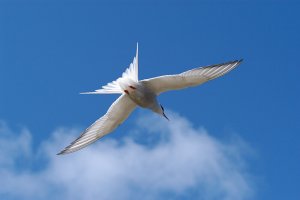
x: 189, y: 78
x: 116, y: 114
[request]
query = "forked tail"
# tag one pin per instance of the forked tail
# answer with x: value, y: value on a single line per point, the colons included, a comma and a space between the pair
x: 129, y: 77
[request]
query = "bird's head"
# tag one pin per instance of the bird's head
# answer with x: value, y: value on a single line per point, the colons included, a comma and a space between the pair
x: 159, y: 109
x: 163, y: 112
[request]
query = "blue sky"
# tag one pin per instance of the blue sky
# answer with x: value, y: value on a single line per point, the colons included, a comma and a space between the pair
x: 52, y: 50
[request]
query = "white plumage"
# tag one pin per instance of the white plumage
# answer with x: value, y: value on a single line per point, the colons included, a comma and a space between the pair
x: 189, y: 78
x: 143, y: 93
x: 116, y: 114
x: 130, y: 76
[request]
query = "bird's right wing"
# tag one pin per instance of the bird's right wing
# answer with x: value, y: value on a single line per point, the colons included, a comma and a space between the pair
x: 115, y: 115
x: 189, y: 78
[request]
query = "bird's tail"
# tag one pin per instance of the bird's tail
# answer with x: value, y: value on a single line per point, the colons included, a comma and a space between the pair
x: 129, y: 77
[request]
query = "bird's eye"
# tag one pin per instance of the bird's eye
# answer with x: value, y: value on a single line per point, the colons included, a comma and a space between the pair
x: 162, y: 107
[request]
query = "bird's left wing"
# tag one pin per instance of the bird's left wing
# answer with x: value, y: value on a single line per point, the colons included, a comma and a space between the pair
x: 115, y: 115
x: 189, y: 78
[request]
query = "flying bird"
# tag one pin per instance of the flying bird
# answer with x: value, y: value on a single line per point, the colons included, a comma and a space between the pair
x: 143, y: 93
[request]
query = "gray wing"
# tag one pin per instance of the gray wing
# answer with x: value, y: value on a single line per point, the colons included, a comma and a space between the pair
x: 116, y: 114
x: 189, y: 78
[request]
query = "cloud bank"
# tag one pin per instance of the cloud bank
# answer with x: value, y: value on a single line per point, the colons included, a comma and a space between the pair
x: 155, y: 160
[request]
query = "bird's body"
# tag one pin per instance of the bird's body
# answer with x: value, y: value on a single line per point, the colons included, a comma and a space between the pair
x: 142, y: 93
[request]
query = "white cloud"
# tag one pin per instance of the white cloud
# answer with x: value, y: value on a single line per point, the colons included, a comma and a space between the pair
x: 156, y: 160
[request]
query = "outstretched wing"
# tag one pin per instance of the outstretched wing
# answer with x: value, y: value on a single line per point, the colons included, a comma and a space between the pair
x: 129, y: 77
x: 115, y: 115
x: 189, y: 78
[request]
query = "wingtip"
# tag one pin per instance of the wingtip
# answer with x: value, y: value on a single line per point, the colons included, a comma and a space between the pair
x: 237, y: 62
x: 63, y: 152
x: 60, y: 153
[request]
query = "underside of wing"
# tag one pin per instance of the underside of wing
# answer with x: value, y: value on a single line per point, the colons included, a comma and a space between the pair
x: 189, y: 78
x: 116, y: 114
x: 129, y: 77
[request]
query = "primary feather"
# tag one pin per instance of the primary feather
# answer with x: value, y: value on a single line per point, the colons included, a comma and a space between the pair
x: 116, y: 114
x: 189, y: 78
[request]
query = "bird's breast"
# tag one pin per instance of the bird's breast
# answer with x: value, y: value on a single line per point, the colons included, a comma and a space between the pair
x: 141, y: 96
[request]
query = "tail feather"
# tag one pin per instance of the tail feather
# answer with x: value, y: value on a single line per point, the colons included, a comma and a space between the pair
x: 130, y: 76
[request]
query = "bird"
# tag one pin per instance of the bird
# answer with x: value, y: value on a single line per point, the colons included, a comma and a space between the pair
x: 142, y: 93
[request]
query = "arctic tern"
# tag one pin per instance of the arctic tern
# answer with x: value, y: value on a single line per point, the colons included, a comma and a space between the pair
x: 143, y: 93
